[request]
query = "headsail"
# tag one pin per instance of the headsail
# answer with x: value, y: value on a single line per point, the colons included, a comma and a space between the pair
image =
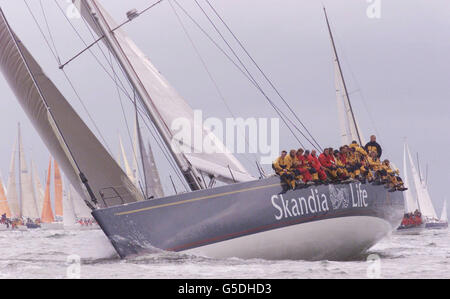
x: 410, y: 202
x: 153, y: 180
x: 425, y: 203
x: 58, y: 191
x: 166, y: 106
x: 12, y: 196
x: 69, y: 212
x: 34, y: 91
x: 47, y: 213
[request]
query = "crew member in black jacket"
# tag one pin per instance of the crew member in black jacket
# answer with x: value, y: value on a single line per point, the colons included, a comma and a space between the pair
x: 373, y: 146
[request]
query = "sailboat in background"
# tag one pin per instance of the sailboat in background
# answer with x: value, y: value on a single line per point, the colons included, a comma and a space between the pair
x: 412, y: 222
x: 57, y: 180
x: 4, y: 208
x: 48, y: 219
x: 76, y: 215
x: 242, y: 218
x: 424, y: 202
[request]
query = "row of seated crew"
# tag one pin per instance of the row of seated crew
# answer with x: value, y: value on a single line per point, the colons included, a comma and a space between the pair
x: 300, y: 168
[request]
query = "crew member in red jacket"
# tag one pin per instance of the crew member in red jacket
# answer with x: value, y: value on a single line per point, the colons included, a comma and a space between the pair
x: 303, y: 166
x: 326, y: 159
x: 314, y: 162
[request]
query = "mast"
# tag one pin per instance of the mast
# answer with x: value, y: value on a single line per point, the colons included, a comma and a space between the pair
x: 341, y: 74
x: 191, y: 174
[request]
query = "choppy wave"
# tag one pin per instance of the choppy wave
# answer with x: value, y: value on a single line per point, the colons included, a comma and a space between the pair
x: 57, y: 254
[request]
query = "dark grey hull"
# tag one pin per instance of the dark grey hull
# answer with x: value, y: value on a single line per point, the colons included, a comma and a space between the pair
x: 318, y: 222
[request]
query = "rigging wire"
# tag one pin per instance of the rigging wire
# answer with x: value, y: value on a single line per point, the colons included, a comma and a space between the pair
x: 56, y: 56
x: 262, y: 72
x: 281, y: 114
x: 205, y: 66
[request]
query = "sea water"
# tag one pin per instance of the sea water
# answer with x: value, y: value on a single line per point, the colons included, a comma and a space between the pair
x: 88, y: 254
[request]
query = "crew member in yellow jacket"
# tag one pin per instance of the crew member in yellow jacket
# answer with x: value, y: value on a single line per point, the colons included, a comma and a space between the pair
x: 395, y: 182
x: 283, y: 167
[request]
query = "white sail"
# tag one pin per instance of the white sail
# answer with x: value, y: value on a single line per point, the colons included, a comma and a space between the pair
x: 65, y: 134
x: 346, y: 137
x: 410, y: 202
x: 349, y: 127
x: 444, y: 212
x: 39, y: 189
x: 126, y: 164
x: 69, y: 218
x: 27, y: 197
x: 154, y: 185
x: 12, y: 195
x: 169, y: 106
x: 425, y: 204
x: 80, y: 208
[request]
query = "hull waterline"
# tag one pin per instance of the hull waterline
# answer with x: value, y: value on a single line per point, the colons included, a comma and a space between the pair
x: 436, y: 225
x: 257, y: 220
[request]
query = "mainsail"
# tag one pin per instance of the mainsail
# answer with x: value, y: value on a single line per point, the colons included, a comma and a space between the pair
x: 4, y: 208
x: 410, y: 202
x: 165, y: 104
x: 58, y: 191
x: 60, y: 127
x: 47, y: 213
x: 12, y: 196
x: 348, y: 124
x: 423, y: 197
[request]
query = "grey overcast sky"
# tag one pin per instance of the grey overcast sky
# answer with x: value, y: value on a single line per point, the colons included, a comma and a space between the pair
x: 397, y: 69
